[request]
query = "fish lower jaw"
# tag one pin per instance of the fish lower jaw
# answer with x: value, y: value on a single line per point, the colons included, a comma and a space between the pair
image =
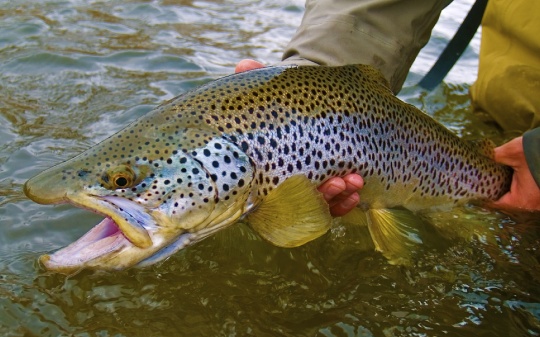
x: 103, y: 240
x: 218, y: 223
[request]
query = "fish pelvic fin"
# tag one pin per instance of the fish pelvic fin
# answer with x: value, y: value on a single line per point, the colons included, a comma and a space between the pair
x: 356, y: 217
x: 394, y: 231
x: 292, y: 214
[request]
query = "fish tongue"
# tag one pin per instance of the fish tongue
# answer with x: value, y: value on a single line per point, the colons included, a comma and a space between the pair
x: 102, y: 238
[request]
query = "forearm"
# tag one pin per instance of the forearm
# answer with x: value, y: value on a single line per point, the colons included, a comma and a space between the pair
x: 531, y: 148
x: 385, y: 34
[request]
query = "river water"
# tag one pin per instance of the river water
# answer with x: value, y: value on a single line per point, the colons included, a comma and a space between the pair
x: 73, y: 72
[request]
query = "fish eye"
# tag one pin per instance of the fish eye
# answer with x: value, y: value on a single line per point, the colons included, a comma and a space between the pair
x: 121, y: 176
x: 121, y: 181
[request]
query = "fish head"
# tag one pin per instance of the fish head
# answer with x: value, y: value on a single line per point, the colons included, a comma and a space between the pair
x: 157, y: 196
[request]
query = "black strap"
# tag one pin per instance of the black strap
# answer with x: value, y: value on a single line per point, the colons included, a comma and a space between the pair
x: 455, y: 47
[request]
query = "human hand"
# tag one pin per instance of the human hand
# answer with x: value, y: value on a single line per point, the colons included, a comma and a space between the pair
x: 341, y: 194
x: 524, y: 192
x: 246, y: 65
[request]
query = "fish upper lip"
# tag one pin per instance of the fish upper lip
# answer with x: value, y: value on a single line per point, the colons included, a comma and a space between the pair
x: 130, y: 218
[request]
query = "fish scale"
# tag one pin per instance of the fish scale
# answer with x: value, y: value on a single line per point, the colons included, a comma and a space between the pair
x: 314, y: 121
x: 254, y: 145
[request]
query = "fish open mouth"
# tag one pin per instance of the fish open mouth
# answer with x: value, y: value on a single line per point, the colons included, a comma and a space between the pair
x: 127, y: 235
x: 103, y: 239
x: 115, y: 243
x: 131, y: 234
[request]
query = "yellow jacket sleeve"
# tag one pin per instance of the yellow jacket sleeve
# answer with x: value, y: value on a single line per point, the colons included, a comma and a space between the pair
x: 508, y: 84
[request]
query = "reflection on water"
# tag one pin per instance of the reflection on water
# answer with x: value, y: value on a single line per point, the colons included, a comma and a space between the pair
x: 73, y: 72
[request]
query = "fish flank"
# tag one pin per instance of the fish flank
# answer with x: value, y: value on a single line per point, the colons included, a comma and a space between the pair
x: 206, y: 158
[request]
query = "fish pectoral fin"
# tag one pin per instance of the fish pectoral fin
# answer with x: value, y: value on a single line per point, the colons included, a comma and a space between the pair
x: 395, y: 233
x: 292, y: 214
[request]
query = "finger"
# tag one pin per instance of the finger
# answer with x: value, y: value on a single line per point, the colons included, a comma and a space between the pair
x: 510, y: 153
x: 344, y: 202
x: 246, y: 65
x: 345, y: 205
x: 332, y: 188
x: 510, y: 201
x: 353, y: 182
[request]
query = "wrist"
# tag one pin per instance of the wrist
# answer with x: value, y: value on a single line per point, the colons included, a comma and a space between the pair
x: 531, y: 151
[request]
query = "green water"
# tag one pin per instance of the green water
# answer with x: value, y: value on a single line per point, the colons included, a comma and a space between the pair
x: 74, y: 72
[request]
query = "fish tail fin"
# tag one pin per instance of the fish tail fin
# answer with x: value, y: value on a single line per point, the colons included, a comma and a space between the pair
x: 394, y: 231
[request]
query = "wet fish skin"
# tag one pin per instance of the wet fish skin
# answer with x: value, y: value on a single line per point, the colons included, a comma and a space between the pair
x: 203, y: 160
x: 325, y: 121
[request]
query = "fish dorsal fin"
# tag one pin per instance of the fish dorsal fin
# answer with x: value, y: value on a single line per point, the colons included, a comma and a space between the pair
x: 374, y: 74
x: 292, y: 214
x: 485, y: 147
x: 394, y: 233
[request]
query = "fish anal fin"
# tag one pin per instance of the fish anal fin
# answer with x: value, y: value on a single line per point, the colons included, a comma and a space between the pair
x: 394, y: 233
x: 292, y: 214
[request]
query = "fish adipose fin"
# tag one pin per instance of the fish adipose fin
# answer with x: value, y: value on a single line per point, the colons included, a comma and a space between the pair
x: 485, y: 147
x: 393, y: 231
x: 292, y: 214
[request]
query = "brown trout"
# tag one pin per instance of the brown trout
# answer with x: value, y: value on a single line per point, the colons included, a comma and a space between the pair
x: 255, y: 145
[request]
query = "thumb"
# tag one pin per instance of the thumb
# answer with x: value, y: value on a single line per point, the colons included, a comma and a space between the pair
x: 511, y: 153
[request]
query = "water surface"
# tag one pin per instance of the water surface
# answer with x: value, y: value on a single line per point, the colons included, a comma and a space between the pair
x: 74, y: 72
